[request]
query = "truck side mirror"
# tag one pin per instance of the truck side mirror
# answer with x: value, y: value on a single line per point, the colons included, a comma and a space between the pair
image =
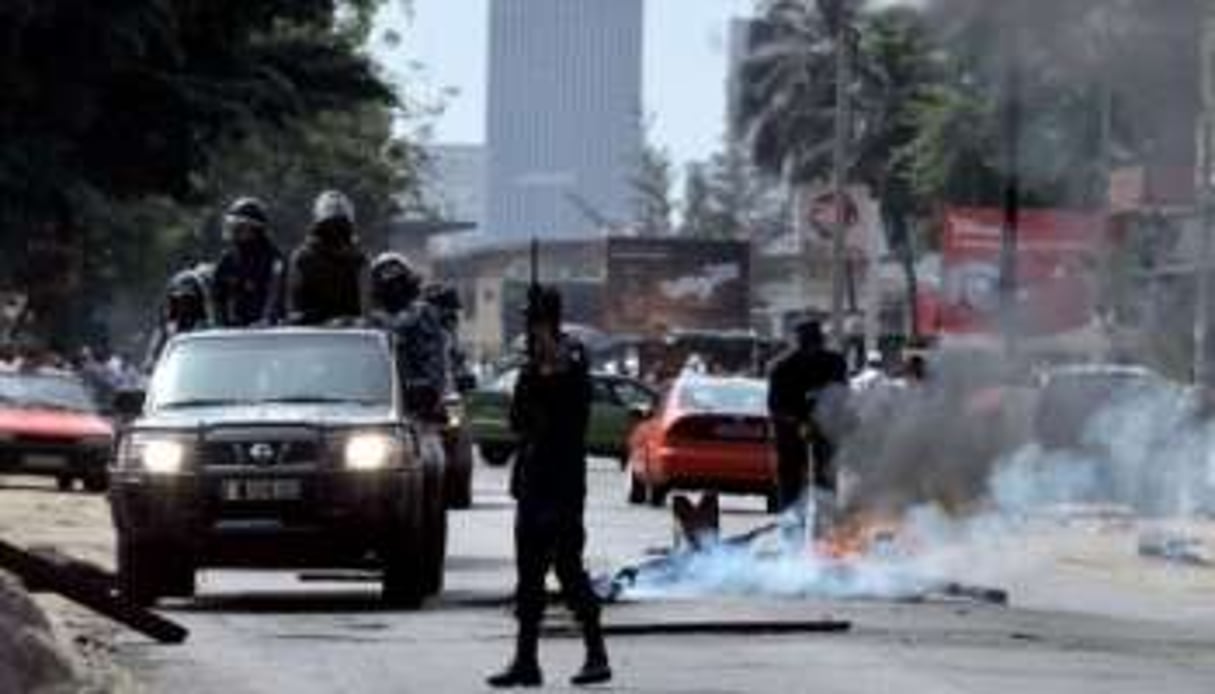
x: 128, y: 404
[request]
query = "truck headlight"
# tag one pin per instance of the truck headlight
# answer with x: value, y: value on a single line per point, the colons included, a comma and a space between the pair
x: 369, y: 452
x: 163, y: 456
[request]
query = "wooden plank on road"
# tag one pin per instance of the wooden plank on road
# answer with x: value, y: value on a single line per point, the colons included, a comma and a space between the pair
x: 86, y: 585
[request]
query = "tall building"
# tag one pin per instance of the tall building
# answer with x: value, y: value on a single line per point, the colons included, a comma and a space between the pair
x: 564, y: 130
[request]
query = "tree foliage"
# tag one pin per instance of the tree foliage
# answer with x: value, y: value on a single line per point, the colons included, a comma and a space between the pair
x: 119, y: 116
x: 729, y: 198
x: 652, y: 191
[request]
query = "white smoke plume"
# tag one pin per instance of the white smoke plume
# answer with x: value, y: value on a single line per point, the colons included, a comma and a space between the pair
x: 966, y: 494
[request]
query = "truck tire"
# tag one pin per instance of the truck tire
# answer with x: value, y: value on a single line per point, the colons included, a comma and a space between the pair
x: 496, y: 454
x: 403, y: 582
x: 64, y: 483
x: 140, y: 571
x: 434, y: 534
x: 403, y: 557
x: 459, y: 479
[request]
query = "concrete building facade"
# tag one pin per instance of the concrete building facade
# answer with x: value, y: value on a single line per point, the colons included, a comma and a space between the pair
x: 564, y: 121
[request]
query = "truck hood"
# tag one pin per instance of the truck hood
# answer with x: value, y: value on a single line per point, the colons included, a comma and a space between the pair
x: 322, y: 416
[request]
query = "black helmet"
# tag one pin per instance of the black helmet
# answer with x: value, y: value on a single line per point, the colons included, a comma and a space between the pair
x: 186, y: 298
x: 394, y: 282
x: 187, y: 283
x: 248, y: 211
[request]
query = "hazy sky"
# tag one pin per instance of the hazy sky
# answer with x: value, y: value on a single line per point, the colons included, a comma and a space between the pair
x: 686, y: 47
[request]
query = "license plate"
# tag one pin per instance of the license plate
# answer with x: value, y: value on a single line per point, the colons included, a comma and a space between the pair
x: 37, y: 461
x: 262, y: 490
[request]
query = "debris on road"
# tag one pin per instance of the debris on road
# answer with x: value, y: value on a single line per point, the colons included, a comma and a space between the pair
x: 87, y: 585
x: 719, y: 628
x: 865, y: 561
x: 1175, y: 548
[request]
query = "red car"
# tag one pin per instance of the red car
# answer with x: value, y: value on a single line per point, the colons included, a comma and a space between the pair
x: 709, y: 433
x: 49, y: 426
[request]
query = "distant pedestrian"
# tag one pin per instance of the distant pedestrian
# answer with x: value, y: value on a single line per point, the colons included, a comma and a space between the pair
x: 327, y: 279
x: 797, y: 378
x: 550, y: 412
x: 250, y: 276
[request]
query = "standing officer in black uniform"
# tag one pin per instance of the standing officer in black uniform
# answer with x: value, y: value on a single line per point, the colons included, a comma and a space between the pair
x: 550, y: 412
x: 795, y: 379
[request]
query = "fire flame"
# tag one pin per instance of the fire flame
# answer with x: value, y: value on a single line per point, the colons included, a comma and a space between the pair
x: 859, y: 536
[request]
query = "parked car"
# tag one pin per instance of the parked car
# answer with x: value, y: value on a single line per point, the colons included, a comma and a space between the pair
x: 50, y: 426
x: 617, y: 404
x: 279, y: 448
x: 710, y: 433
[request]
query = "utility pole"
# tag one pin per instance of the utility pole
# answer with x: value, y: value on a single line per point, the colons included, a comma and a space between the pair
x: 1202, y: 308
x: 1203, y: 304
x: 836, y: 14
x: 1011, y: 127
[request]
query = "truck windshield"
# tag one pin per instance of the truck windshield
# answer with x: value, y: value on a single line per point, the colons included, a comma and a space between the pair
x: 268, y: 368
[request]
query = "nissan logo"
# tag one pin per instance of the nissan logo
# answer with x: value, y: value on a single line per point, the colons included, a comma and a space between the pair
x: 261, y: 453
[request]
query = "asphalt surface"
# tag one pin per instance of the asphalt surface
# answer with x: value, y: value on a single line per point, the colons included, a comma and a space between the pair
x: 1087, y: 615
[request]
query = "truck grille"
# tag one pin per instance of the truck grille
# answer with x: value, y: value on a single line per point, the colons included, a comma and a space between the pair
x: 261, y: 448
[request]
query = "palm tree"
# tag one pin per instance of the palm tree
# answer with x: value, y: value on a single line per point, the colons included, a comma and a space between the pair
x: 790, y: 83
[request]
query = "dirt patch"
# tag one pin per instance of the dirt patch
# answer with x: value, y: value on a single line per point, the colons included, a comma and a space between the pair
x: 58, y: 636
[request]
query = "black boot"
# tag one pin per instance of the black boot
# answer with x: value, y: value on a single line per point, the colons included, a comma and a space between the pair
x: 596, y: 669
x: 524, y: 670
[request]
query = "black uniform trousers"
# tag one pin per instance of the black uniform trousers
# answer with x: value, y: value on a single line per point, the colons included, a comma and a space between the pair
x: 793, y: 456
x: 551, y: 537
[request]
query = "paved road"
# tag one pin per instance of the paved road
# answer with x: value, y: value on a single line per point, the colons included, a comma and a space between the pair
x: 1089, y: 617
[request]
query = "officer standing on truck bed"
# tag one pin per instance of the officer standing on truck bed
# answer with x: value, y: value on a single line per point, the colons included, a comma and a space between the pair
x: 550, y: 412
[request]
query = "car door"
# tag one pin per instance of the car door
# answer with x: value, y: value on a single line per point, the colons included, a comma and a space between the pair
x: 621, y: 401
x: 606, y: 435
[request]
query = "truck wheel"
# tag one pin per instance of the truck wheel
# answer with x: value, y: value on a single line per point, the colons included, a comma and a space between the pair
x: 139, y: 571
x: 496, y: 454
x: 65, y: 483
x: 436, y: 545
x: 403, y: 554
x: 459, y: 483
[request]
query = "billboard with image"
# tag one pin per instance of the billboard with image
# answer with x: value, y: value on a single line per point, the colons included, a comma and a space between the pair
x: 1057, y: 281
x: 660, y: 284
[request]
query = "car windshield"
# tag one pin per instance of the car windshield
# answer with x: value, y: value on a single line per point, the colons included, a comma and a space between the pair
x: 733, y: 396
x: 45, y: 391
x: 274, y: 369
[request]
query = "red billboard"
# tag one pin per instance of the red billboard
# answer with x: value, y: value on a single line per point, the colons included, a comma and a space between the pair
x: 1056, y: 271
